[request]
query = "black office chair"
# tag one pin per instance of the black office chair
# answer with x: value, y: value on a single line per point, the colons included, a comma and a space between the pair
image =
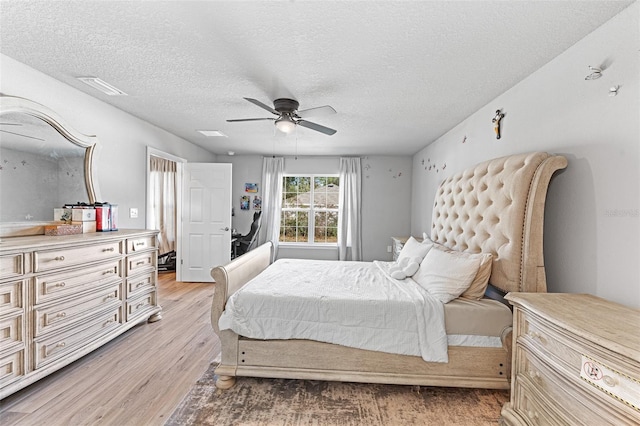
x: 244, y: 243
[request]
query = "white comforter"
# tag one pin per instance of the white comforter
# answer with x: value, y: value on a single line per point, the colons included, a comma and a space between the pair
x: 355, y: 304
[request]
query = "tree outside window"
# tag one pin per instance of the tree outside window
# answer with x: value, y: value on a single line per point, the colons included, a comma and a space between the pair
x: 310, y: 209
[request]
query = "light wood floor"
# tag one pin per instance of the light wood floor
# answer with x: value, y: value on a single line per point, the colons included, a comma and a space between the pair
x: 136, y: 379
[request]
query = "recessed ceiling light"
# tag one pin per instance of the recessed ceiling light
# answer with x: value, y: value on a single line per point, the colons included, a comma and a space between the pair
x: 212, y: 133
x: 102, y: 86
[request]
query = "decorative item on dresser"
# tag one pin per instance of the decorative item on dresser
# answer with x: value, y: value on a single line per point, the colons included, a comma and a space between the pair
x: 63, y: 297
x: 576, y: 360
x: 398, y: 243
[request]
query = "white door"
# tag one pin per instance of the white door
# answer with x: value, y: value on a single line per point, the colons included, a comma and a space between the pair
x: 206, y: 221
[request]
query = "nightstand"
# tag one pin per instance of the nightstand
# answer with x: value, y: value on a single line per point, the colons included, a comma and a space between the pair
x: 576, y: 360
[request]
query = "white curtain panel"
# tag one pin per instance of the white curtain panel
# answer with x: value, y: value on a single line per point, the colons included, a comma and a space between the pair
x: 272, y: 172
x: 350, y: 217
x: 163, y: 201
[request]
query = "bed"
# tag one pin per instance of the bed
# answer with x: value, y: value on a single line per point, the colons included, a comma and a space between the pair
x: 495, y: 209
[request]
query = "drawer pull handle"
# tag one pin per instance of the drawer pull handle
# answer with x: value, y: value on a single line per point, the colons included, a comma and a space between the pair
x: 110, y: 271
x: 140, y: 284
x: 141, y: 262
x: 60, y: 345
x: 609, y: 381
x: 111, y: 296
x: 108, y: 322
x: 140, y: 305
x: 140, y: 243
x: 61, y: 314
x: 535, y: 335
x: 535, y: 375
x: 108, y: 249
x: 59, y: 258
x: 62, y: 284
x: 532, y: 415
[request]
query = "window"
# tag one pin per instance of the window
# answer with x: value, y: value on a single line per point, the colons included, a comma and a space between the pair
x: 310, y: 209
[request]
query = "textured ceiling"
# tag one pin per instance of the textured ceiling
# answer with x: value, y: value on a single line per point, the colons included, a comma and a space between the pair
x: 399, y: 74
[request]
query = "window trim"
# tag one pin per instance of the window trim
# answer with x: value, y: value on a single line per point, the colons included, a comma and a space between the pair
x: 312, y: 219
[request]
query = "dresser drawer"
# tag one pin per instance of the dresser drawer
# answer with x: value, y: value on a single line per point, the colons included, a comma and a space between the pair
x: 64, y: 314
x: 534, y: 407
x: 140, y: 305
x: 12, y: 296
x: 47, y: 260
x: 141, y: 262
x: 12, y: 265
x: 568, y: 350
x: 12, y: 368
x: 135, y: 245
x: 48, y: 349
x: 140, y: 283
x: 540, y: 334
x: 55, y: 286
x: 574, y: 398
x: 12, y: 332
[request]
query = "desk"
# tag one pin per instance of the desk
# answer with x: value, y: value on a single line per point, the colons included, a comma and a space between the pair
x: 234, y: 245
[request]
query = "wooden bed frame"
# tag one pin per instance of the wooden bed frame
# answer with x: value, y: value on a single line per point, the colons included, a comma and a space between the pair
x: 497, y: 207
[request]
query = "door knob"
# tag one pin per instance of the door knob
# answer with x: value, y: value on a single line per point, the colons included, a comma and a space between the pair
x: 226, y: 228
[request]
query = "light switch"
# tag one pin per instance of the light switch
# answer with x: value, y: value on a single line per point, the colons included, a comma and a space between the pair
x: 133, y: 212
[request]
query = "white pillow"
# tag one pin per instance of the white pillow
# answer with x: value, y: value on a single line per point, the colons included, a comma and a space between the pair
x: 446, y: 275
x: 479, y: 284
x: 414, y: 248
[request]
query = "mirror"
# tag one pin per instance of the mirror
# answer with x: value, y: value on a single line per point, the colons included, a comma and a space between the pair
x: 43, y: 165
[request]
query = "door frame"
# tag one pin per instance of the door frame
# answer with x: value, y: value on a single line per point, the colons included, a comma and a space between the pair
x: 179, y: 166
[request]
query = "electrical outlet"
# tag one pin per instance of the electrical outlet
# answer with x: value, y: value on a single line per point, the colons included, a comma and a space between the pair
x: 133, y: 212
x: 388, y: 249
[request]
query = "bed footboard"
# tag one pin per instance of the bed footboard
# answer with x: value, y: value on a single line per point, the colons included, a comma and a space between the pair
x: 229, y: 279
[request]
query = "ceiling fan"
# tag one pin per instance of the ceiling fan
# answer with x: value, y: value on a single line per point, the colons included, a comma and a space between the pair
x: 288, y: 115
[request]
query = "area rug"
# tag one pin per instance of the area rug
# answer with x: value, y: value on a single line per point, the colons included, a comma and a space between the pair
x: 256, y: 401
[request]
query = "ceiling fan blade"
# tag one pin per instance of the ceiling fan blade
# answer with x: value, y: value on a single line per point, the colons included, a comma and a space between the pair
x: 249, y: 119
x: 316, y: 127
x: 263, y: 106
x: 315, y: 112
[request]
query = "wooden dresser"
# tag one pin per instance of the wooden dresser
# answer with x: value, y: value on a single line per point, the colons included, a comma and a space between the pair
x: 576, y: 360
x: 63, y: 297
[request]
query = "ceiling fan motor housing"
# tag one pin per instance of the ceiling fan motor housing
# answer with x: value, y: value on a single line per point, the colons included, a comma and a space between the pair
x: 284, y: 105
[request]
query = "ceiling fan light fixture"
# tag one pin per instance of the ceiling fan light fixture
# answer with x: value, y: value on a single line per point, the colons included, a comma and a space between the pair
x: 285, y: 124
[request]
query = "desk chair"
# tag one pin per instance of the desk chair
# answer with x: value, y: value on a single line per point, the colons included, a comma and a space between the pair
x: 244, y: 243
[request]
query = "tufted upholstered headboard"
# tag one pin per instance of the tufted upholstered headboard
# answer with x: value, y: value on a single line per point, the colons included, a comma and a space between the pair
x: 497, y: 207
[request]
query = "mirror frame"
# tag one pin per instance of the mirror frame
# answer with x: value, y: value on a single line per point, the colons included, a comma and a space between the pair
x: 90, y: 144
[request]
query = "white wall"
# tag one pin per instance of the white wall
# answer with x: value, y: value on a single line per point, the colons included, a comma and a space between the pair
x: 592, y: 229
x: 121, y: 162
x: 386, y: 196
x: 246, y: 169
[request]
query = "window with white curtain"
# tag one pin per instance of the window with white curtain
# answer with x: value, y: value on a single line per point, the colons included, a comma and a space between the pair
x: 163, y: 190
x: 310, y: 209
